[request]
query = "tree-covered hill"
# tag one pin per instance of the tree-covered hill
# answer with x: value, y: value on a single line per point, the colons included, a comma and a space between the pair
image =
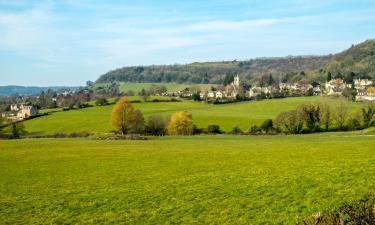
x: 359, y: 59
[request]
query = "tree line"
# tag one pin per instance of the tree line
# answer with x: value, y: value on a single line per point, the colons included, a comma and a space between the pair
x: 305, y: 118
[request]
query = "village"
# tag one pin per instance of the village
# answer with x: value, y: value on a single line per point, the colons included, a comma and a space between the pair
x: 363, y: 90
x: 359, y: 90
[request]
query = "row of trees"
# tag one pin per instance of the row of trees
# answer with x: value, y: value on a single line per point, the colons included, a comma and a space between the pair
x: 306, y: 118
x: 126, y: 119
x: 315, y: 117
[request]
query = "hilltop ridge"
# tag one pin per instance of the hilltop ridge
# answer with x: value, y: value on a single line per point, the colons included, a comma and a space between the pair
x: 359, y: 59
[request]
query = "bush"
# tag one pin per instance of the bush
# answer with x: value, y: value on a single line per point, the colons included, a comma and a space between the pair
x: 236, y: 130
x: 267, y: 125
x: 354, y: 124
x: 101, y: 102
x: 79, y: 134
x: 254, y: 129
x: 156, y: 125
x: 356, y: 212
x: 213, y: 129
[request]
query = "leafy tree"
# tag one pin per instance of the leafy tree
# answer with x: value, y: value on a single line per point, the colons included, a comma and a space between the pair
x: 254, y: 129
x: 270, y: 80
x: 329, y: 76
x: 367, y: 115
x: 213, y: 129
x: 196, y: 97
x: 144, y: 94
x: 267, y: 125
x: 16, y: 129
x: 2, y: 124
x: 180, y: 123
x: 125, y: 118
x: 290, y: 121
x: 229, y: 78
x: 311, y: 116
x: 156, y: 125
x: 101, y: 102
x: 236, y: 130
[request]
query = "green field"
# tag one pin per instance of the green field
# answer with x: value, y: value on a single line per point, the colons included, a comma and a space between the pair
x: 170, y: 180
x: 137, y: 87
x: 97, y: 119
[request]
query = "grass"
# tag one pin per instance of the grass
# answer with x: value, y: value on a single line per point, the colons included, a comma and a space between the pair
x: 137, y: 87
x: 182, y: 180
x: 97, y: 119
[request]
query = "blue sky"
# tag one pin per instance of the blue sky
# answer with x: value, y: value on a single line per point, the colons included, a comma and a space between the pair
x: 67, y: 42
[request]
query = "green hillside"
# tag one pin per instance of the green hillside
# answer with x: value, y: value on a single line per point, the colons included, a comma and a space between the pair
x: 137, y: 87
x: 97, y: 119
x: 359, y: 58
x: 185, y: 180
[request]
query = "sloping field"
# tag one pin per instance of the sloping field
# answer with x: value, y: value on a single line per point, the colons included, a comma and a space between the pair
x: 137, y: 87
x: 200, y: 180
x: 97, y: 119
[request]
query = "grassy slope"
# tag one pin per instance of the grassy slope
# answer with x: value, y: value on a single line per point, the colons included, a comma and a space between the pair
x: 137, y: 87
x: 203, y: 180
x: 227, y: 116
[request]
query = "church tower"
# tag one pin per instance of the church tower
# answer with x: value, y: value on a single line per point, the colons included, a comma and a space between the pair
x: 236, y: 81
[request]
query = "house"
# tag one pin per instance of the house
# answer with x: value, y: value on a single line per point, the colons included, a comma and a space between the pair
x: 366, y: 95
x: 27, y: 111
x: 211, y: 94
x: 254, y: 91
x: 335, y: 86
x: 203, y: 94
x: 362, y: 83
x: 219, y: 94
x: 14, y: 107
x: 317, y: 91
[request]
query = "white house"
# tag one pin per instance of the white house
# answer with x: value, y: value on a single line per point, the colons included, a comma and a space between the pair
x: 27, y: 111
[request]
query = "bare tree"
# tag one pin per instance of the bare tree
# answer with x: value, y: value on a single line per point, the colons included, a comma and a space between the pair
x: 341, y: 114
x: 326, y: 115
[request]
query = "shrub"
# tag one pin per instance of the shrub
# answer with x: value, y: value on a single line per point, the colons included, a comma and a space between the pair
x: 79, y: 134
x: 290, y: 121
x: 156, y: 125
x: 236, y: 130
x: 356, y: 212
x: 267, y: 125
x: 101, y: 102
x: 196, y: 97
x: 254, y: 129
x: 354, y: 124
x: 197, y: 130
x: 213, y: 129
x: 367, y: 115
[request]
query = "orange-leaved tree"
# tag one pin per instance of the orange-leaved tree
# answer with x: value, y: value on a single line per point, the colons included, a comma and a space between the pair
x: 180, y: 123
x: 125, y: 118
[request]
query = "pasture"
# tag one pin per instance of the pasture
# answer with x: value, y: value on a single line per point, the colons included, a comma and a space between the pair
x: 182, y: 180
x: 137, y: 87
x: 243, y: 114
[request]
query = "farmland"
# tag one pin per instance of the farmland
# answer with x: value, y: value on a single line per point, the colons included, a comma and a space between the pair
x: 200, y: 179
x: 137, y: 87
x: 96, y: 119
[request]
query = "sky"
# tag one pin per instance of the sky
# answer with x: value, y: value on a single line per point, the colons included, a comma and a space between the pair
x: 68, y: 42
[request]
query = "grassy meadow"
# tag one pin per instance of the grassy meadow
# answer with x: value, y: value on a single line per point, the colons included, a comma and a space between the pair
x: 97, y: 119
x: 182, y: 180
x: 137, y: 87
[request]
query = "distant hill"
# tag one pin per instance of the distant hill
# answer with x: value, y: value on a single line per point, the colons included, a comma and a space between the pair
x: 22, y: 90
x: 359, y: 59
